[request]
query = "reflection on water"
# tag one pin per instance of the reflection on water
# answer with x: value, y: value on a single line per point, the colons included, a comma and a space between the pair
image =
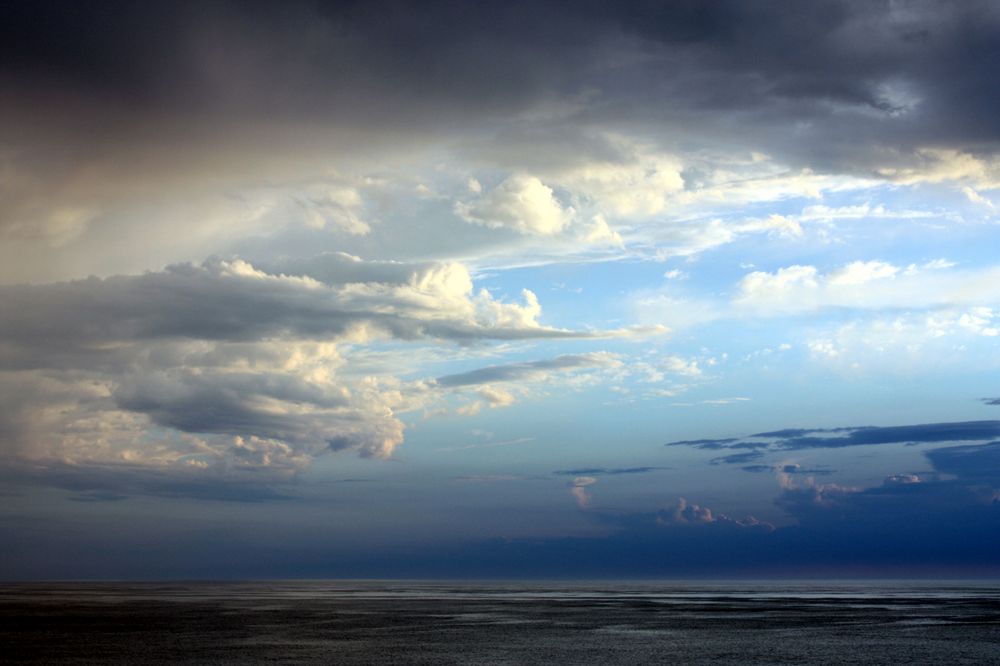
x: 376, y: 622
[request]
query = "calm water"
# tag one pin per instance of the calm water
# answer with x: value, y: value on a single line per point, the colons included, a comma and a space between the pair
x: 501, y: 623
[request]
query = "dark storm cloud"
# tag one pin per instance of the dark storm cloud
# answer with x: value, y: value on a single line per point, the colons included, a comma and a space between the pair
x: 847, y: 72
x: 488, y: 52
x: 304, y: 59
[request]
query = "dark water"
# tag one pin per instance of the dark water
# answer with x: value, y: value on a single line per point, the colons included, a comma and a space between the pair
x: 501, y: 623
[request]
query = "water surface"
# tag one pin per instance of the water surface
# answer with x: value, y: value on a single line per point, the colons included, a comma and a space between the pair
x: 370, y: 622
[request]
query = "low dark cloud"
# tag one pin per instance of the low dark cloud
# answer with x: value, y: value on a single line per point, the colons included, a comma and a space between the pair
x: 717, y: 444
x: 737, y: 458
x: 89, y: 483
x: 965, y: 500
x: 915, y: 434
x: 990, y: 401
x: 788, y: 433
x: 969, y: 463
x: 910, y: 524
x: 796, y: 439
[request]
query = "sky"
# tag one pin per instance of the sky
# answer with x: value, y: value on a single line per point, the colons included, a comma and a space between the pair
x: 499, y: 289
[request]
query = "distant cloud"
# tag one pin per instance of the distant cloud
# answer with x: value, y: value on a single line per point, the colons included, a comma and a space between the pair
x: 684, y: 513
x: 970, y: 463
x: 737, y: 458
x: 794, y: 439
x: 787, y: 469
x: 578, y: 489
x: 965, y: 502
x: 486, y: 445
x: 605, y: 471
x: 529, y: 370
x: 872, y: 284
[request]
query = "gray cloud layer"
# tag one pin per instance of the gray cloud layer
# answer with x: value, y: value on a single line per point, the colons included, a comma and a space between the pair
x: 105, y: 104
x: 317, y: 60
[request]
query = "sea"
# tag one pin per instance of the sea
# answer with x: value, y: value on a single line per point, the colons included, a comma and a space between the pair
x: 394, y: 622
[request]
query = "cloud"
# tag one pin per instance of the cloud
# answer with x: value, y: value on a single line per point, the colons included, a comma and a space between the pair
x: 861, y: 272
x: 725, y: 401
x: 937, y: 165
x: 680, y: 366
x: 605, y: 471
x: 936, y: 339
x: 487, y: 445
x: 737, y: 458
x: 500, y: 385
x: 325, y: 114
x: 795, y: 439
x: 963, y: 503
x: 530, y: 370
x: 787, y: 468
x: 954, y: 503
x: 121, y: 480
x: 867, y: 285
x: 927, y: 432
x: 694, y: 514
x: 645, y: 183
x: 578, y: 489
x: 972, y: 463
x: 234, y: 301
x: 783, y: 280
x: 716, y: 444
x: 521, y: 203
x: 226, y: 366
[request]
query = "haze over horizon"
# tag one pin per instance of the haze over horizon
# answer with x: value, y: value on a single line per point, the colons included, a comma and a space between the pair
x: 499, y: 289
